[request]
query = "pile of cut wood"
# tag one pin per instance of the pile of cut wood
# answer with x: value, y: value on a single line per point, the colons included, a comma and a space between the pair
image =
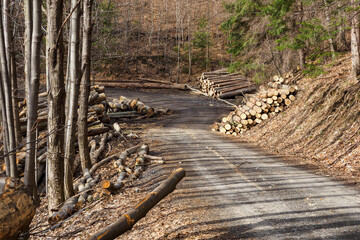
x: 128, y: 168
x: 266, y: 103
x: 221, y: 84
x: 102, y: 118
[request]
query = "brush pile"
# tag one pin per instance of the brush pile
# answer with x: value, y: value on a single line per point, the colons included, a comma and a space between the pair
x: 221, y: 84
x: 258, y: 107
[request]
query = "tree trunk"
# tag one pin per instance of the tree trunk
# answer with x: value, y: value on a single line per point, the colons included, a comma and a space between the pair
x: 327, y: 24
x: 33, y: 97
x: 10, y: 57
x: 56, y: 99
x: 128, y: 220
x: 6, y: 85
x: 85, y: 88
x: 72, y: 99
x: 355, y: 63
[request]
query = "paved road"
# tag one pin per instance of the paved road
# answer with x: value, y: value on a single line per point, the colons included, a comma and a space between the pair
x: 249, y: 194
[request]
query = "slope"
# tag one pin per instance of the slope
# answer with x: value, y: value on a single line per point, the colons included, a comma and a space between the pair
x: 323, y: 125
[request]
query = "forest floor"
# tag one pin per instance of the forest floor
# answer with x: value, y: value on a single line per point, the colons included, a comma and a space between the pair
x: 232, y: 190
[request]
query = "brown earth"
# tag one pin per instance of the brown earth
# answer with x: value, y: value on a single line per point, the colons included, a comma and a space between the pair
x: 322, y: 126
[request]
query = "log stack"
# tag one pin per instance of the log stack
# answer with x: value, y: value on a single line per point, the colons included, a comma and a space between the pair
x: 258, y: 107
x: 221, y: 84
x: 102, y: 112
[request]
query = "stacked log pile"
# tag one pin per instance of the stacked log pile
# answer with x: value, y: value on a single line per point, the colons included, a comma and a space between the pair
x: 101, y: 114
x: 221, y: 84
x: 258, y: 107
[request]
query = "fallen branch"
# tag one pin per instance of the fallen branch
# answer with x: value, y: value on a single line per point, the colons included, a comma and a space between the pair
x: 128, y: 220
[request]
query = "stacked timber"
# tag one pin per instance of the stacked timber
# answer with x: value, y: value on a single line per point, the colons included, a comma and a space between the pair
x: 221, y: 84
x: 258, y: 107
x: 102, y: 113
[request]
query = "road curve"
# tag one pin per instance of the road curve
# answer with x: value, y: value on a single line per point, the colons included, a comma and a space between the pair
x: 247, y: 193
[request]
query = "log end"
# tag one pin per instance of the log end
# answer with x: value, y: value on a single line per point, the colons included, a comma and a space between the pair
x: 17, y: 208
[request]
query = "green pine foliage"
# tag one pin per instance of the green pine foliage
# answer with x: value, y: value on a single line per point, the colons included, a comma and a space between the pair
x: 290, y: 24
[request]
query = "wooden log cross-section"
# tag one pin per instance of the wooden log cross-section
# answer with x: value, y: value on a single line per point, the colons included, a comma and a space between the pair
x: 128, y: 220
x: 17, y: 208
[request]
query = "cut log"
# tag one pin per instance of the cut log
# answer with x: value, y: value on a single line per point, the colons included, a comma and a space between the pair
x: 147, y: 85
x: 237, y: 92
x: 98, y: 131
x: 127, y: 221
x: 17, y: 208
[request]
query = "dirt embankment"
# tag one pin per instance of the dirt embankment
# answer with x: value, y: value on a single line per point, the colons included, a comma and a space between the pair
x: 322, y: 126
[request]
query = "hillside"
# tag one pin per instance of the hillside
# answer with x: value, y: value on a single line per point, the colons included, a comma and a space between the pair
x: 322, y: 126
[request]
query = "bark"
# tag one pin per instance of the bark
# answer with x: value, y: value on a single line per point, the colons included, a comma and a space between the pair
x: 17, y: 208
x: 56, y: 99
x: 355, y: 61
x: 85, y: 88
x: 32, y: 98
x: 72, y: 99
x: 327, y: 24
x: 128, y: 220
x: 6, y: 87
x: 10, y: 57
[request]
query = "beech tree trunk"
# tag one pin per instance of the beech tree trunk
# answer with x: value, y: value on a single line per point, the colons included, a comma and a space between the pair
x: 72, y: 98
x: 32, y: 95
x: 56, y: 109
x: 85, y: 88
x: 10, y: 57
x: 355, y: 61
x: 128, y: 220
x: 6, y: 86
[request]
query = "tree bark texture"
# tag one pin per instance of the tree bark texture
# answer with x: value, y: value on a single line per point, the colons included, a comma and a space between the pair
x: 128, y: 220
x: 6, y: 85
x: 56, y: 100
x: 32, y: 97
x: 85, y: 88
x: 355, y: 61
x: 72, y: 98
x: 10, y: 57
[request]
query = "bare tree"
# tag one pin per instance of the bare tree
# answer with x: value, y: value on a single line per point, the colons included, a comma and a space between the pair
x: 7, y: 94
x: 33, y: 91
x: 10, y: 57
x: 72, y: 96
x: 85, y: 87
x: 56, y: 99
x: 355, y: 61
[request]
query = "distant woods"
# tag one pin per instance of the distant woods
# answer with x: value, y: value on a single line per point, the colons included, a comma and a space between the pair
x: 168, y: 39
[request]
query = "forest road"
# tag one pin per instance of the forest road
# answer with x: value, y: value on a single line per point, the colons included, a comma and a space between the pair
x: 247, y: 194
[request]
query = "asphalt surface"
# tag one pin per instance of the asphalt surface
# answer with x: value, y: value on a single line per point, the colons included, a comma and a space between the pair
x: 248, y: 194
